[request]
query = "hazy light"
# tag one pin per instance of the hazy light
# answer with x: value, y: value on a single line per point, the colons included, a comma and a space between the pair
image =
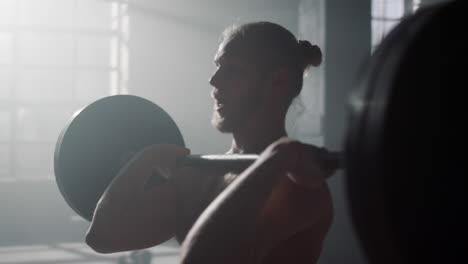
x: 416, y: 4
x: 55, y: 56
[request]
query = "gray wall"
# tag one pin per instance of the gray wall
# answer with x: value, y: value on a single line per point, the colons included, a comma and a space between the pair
x: 342, y: 29
x: 348, y: 40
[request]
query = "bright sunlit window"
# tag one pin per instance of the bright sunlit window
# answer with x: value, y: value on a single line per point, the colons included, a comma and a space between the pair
x: 386, y: 14
x: 56, y: 56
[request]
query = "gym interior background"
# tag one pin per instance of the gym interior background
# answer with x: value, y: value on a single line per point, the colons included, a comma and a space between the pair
x: 57, y: 56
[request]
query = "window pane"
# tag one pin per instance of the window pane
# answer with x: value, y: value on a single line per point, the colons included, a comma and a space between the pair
x: 96, y: 50
x: 45, y: 85
x: 416, y: 5
x: 5, y: 126
x: 92, y: 85
x: 46, y: 49
x: 8, y: 12
x: 92, y: 14
x: 34, y: 160
x: 6, y: 82
x: 64, y: 54
x: 6, y: 47
x: 377, y: 31
x: 49, y: 13
x: 389, y: 25
x: 5, y: 161
x: 40, y: 123
x: 387, y: 8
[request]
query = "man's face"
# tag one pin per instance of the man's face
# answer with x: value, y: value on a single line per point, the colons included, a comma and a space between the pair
x: 237, y: 88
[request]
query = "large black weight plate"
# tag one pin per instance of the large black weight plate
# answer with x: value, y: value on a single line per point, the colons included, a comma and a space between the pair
x: 89, y: 150
x: 405, y: 175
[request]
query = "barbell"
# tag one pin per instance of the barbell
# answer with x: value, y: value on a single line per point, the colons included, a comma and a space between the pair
x: 404, y: 179
x: 90, y: 149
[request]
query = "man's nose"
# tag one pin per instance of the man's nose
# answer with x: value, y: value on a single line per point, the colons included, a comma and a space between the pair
x: 214, y: 79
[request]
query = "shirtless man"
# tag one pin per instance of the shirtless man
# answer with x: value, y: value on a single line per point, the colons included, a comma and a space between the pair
x: 276, y: 211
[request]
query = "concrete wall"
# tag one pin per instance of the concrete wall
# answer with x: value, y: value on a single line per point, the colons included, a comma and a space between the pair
x: 343, y: 30
x: 348, y: 40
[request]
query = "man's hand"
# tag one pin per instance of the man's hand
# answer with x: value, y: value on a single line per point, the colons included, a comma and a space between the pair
x: 165, y: 157
x: 302, y: 162
x: 162, y: 157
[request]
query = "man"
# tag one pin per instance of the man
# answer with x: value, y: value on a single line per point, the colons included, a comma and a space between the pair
x: 279, y: 209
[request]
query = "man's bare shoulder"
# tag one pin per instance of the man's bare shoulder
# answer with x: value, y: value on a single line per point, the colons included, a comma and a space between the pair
x: 295, y: 222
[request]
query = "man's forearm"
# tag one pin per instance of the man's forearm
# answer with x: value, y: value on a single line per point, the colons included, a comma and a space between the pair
x: 127, y: 184
x: 226, y: 228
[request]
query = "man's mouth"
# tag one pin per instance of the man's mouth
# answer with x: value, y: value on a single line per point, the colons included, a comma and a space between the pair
x: 219, y: 106
x: 219, y: 102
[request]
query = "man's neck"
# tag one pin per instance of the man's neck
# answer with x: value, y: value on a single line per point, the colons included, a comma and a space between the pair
x: 254, y: 138
x: 265, y: 125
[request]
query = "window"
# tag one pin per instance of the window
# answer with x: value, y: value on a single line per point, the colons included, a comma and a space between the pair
x: 386, y: 14
x: 56, y: 56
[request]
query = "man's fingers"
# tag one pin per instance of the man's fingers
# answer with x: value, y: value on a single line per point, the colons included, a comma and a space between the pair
x: 164, y: 157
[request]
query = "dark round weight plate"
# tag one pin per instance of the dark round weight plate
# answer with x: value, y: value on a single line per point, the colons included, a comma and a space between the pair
x: 89, y: 150
x: 405, y: 177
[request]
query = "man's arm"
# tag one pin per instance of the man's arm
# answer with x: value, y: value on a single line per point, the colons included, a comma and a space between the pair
x: 226, y: 231
x: 127, y: 216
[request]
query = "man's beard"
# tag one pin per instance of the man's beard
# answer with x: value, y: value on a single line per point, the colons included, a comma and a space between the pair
x: 235, y: 116
x: 228, y: 123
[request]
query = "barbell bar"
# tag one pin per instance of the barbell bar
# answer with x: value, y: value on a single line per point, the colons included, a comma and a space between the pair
x: 89, y: 150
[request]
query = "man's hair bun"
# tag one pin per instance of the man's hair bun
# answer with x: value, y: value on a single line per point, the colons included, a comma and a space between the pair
x: 310, y: 54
